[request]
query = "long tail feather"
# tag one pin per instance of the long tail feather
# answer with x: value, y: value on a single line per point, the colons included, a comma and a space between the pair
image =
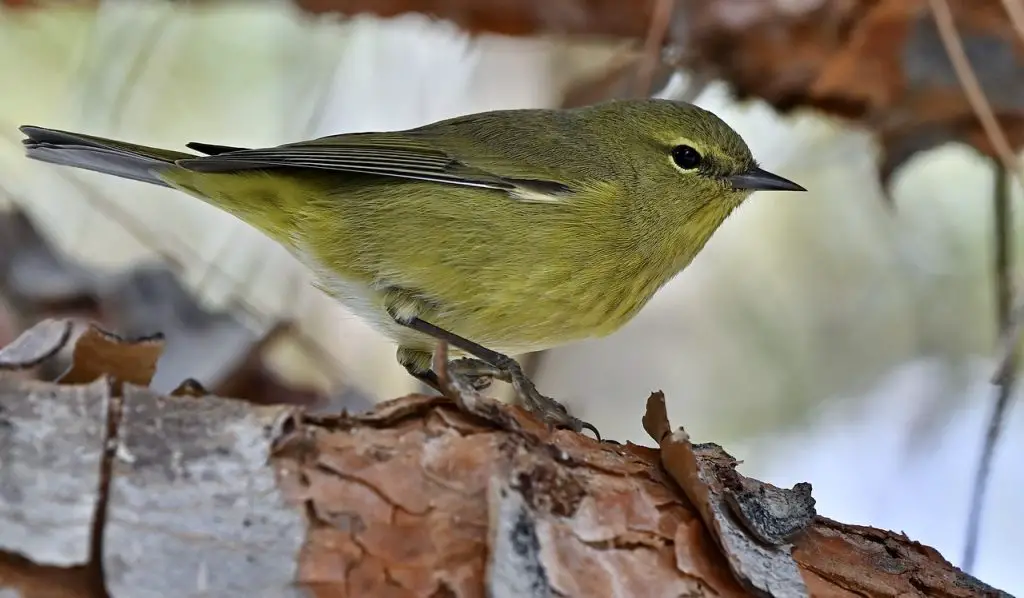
x: 125, y: 160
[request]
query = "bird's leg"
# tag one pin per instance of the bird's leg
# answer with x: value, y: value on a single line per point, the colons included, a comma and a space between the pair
x: 548, y: 409
x: 479, y: 374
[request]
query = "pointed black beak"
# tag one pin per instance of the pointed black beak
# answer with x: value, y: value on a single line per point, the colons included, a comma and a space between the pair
x: 762, y: 180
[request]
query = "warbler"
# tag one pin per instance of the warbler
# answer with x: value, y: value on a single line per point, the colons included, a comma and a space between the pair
x: 499, y: 233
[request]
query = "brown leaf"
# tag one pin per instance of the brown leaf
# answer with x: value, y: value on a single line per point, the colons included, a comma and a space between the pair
x: 35, y: 345
x: 523, y: 17
x: 98, y: 353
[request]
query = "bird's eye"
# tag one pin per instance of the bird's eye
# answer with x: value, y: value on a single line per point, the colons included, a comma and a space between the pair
x: 685, y: 157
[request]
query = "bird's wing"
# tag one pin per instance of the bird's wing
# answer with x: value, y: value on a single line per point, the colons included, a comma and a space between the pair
x: 381, y: 154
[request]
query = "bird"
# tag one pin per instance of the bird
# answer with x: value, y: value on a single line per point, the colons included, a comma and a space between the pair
x: 499, y: 233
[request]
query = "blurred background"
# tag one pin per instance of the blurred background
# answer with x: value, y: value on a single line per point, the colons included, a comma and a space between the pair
x: 846, y: 336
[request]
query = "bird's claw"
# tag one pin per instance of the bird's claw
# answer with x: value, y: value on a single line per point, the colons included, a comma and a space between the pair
x: 547, y: 409
x: 480, y: 374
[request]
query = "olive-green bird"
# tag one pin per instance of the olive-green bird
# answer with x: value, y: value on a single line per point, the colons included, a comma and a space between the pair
x: 510, y: 231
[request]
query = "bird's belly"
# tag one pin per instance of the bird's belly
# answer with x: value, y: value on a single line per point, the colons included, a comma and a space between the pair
x: 534, y: 308
x: 359, y: 298
x: 511, y: 325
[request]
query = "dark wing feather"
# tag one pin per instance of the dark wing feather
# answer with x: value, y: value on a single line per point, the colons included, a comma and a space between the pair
x: 212, y: 150
x: 373, y: 154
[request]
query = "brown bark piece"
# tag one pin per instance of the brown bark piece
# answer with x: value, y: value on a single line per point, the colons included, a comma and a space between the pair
x: 436, y: 503
x: 837, y: 553
x: 551, y: 534
x: 193, y: 508
x: 750, y: 521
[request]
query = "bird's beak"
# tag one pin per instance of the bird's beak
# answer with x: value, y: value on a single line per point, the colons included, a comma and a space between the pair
x: 757, y: 179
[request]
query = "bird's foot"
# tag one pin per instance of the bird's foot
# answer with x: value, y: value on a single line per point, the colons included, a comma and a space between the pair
x: 547, y: 409
x: 480, y: 374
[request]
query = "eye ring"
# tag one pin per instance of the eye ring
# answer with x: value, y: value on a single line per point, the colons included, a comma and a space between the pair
x: 686, y: 157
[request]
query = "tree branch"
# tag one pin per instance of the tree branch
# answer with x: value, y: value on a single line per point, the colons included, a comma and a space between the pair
x: 413, y: 498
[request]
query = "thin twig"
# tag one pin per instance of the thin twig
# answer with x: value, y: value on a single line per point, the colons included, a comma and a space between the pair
x: 972, y: 88
x: 1008, y: 163
x: 1003, y: 221
x: 1002, y: 213
x: 656, y: 32
x: 1015, y: 8
x: 1008, y: 345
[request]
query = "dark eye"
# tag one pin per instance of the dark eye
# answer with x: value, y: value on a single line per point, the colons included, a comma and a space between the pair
x: 685, y: 157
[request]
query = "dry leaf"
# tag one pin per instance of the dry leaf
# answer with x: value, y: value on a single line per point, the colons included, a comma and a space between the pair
x: 98, y: 354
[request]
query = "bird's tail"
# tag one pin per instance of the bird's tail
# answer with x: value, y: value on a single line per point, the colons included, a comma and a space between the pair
x: 125, y: 160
